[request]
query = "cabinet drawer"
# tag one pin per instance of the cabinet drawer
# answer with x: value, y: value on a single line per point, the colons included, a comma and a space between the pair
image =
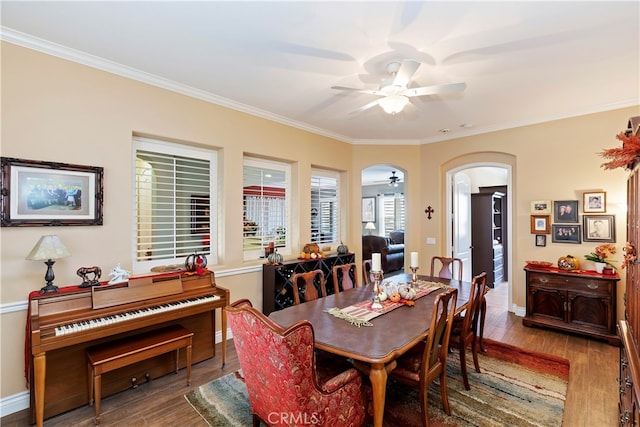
x: 585, y: 285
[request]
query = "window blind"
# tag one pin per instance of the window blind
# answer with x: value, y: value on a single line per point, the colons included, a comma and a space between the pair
x: 173, y: 209
x: 325, y: 206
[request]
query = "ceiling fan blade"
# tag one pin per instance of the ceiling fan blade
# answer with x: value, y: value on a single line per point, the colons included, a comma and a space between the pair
x: 435, y: 89
x: 406, y: 71
x: 367, y: 91
x: 364, y: 107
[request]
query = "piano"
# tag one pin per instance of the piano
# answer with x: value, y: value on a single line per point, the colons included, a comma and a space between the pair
x: 63, y: 324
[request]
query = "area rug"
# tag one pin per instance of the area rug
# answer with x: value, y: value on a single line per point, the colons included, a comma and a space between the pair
x: 516, y: 387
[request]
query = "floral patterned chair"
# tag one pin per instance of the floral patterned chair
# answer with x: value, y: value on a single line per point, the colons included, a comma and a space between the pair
x: 285, y: 385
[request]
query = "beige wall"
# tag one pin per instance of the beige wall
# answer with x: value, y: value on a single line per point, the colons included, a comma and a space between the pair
x: 56, y: 110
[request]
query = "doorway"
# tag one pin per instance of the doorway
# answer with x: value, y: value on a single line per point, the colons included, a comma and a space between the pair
x: 462, y: 182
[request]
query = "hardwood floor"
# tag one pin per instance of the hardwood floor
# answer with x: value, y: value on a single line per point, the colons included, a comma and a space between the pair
x: 592, y: 397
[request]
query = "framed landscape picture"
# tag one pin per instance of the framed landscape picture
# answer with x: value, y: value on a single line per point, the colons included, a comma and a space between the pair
x: 36, y: 193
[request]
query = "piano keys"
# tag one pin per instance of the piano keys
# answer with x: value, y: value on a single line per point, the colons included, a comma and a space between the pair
x: 64, y: 324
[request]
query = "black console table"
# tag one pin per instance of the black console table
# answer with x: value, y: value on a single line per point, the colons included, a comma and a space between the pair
x: 277, y: 291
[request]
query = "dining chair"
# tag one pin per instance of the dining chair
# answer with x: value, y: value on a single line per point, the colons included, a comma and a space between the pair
x: 283, y: 377
x: 308, y: 285
x: 367, y: 264
x: 464, y: 331
x: 447, y: 267
x: 427, y: 360
x: 345, y: 277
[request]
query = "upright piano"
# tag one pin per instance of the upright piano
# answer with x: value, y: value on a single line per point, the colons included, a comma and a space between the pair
x: 62, y: 325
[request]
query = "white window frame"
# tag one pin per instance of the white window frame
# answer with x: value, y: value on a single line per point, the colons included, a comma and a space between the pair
x: 317, y: 230
x: 254, y: 245
x: 175, y: 149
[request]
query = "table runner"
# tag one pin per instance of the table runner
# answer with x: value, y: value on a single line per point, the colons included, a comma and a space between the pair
x: 361, y: 312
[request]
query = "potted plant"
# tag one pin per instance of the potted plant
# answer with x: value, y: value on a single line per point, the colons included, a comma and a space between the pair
x: 600, y: 256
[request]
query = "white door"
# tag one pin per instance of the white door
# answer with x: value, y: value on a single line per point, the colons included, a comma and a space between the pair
x: 461, y: 222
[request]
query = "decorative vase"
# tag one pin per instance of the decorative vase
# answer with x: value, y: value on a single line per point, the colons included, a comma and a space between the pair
x: 600, y: 266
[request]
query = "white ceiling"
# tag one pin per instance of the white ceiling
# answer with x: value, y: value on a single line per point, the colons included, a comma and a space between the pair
x: 523, y: 62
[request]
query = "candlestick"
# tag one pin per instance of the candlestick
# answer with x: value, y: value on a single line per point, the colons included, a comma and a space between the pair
x: 376, y: 262
x: 414, y: 277
x: 377, y: 276
x: 414, y: 260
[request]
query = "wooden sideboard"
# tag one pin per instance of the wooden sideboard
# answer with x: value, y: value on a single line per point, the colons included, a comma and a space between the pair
x: 582, y: 303
x: 277, y: 290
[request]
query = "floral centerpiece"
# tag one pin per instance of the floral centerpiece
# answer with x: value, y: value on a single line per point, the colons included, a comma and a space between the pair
x: 602, y: 253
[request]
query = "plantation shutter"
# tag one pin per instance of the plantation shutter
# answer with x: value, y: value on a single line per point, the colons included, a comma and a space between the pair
x: 325, y: 207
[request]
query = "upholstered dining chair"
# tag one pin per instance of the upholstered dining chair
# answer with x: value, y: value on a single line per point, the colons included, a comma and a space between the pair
x: 464, y: 331
x: 310, y: 285
x: 447, y: 267
x: 282, y: 377
x: 345, y: 277
x: 427, y: 360
x: 367, y: 279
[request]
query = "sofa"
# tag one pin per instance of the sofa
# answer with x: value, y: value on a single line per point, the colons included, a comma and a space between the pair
x: 391, y: 250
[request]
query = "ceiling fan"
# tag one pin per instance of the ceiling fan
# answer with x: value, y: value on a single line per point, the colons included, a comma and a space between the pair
x: 395, y: 92
x: 393, y: 179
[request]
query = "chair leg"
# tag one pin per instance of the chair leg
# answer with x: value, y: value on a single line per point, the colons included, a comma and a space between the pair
x: 474, y: 351
x: 256, y: 420
x: 463, y: 367
x: 444, y: 391
x: 424, y: 405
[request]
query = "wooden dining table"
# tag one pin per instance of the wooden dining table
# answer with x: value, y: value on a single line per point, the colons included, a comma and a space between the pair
x: 374, y: 349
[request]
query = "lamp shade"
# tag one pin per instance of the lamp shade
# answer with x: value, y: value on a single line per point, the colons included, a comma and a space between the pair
x: 393, y: 104
x: 369, y: 226
x: 48, y: 247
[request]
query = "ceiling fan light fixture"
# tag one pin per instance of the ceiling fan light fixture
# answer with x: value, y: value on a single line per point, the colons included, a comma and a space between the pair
x: 393, y: 104
x: 394, y: 180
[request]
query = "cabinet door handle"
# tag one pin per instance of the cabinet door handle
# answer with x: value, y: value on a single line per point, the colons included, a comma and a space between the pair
x: 592, y: 285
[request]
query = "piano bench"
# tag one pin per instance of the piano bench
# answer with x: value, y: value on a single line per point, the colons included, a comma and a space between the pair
x: 112, y: 355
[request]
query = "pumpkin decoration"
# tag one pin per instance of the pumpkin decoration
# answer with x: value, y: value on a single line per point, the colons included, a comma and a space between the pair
x: 568, y: 262
x: 394, y: 297
x: 275, y: 258
x: 342, y: 248
x: 407, y: 292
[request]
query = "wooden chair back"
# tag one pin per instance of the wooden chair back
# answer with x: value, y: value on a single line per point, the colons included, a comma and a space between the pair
x: 427, y: 361
x: 447, y: 267
x: 367, y: 278
x: 308, y: 286
x: 345, y: 277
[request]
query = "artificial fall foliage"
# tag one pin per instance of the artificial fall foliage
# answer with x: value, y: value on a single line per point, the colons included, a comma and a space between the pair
x: 623, y: 156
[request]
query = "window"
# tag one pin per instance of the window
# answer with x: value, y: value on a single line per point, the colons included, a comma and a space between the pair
x: 174, y: 217
x: 266, y: 207
x: 325, y: 220
x: 392, y: 211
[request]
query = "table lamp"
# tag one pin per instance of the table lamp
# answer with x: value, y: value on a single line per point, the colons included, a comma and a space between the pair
x: 369, y: 227
x: 48, y: 248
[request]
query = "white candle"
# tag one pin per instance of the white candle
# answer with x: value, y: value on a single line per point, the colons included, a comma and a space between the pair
x: 376, y: 262
x: 414, y: 260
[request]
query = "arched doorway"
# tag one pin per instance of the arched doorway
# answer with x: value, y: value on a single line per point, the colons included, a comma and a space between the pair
x: 481, y: 176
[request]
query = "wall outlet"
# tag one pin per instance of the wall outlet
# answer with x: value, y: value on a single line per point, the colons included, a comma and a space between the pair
x: 431, y: 240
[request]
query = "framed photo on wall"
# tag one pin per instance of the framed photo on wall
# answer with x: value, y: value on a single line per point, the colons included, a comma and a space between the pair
x: 369, y: 209
x: 561, y: 233
x: 599, y: 228
x: 541, y: 207
x: 565, y: 211
x: 594, y: 202
x: 540, y: 224
x: 541, y: 240
x: 36, y: 193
